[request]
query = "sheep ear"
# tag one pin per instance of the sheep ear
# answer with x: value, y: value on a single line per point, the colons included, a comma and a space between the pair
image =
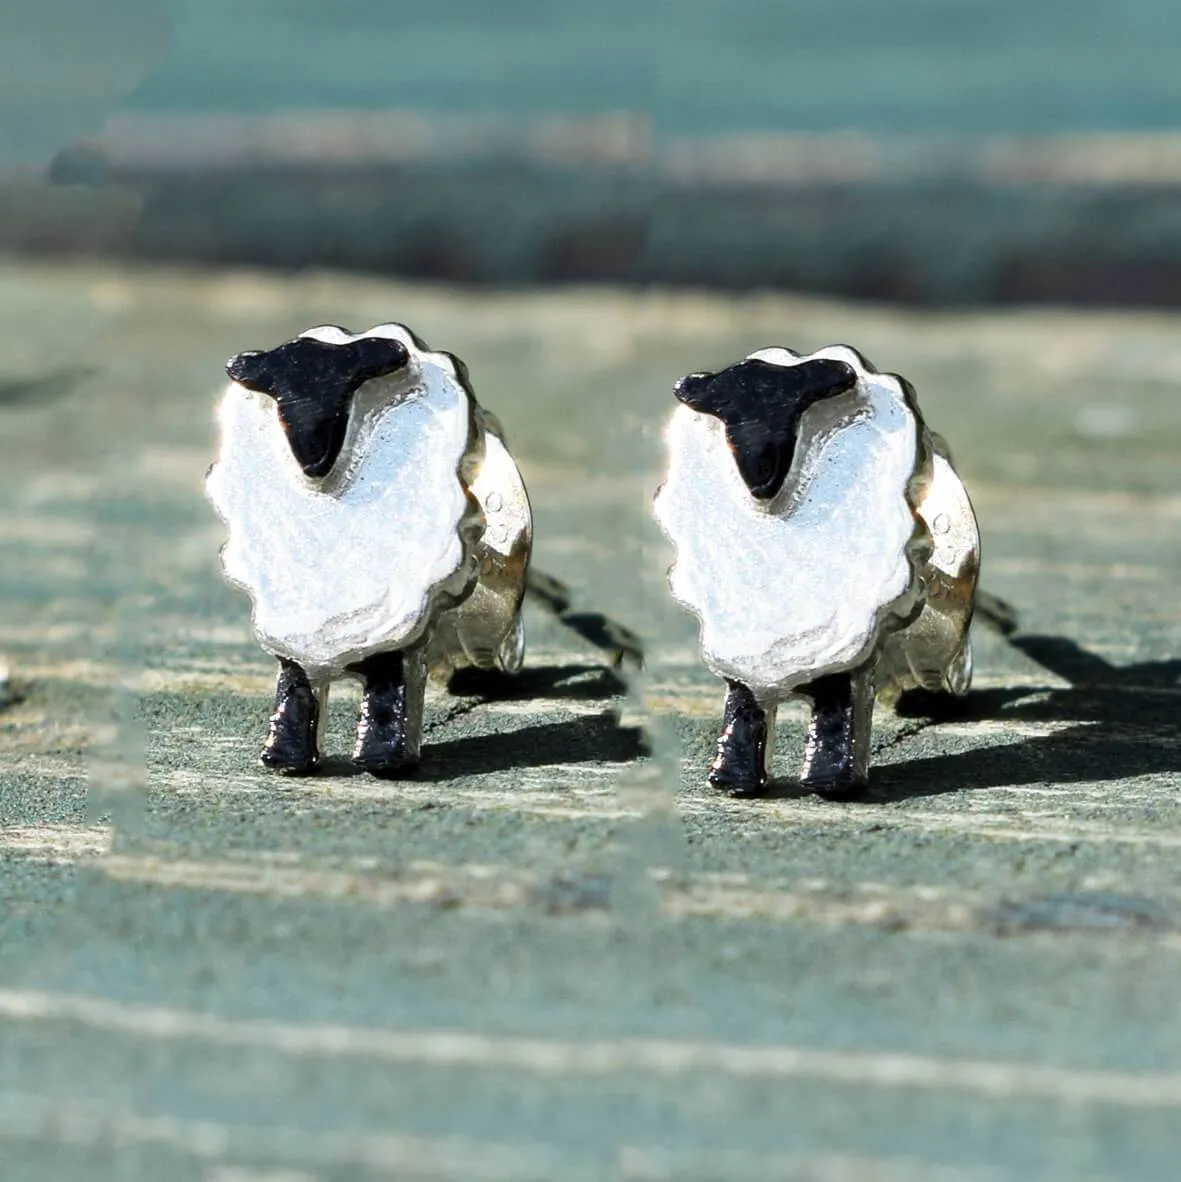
x: 826, y: 377
x: 691, y: 389
x: 375, y: 357
x: 250, y: 370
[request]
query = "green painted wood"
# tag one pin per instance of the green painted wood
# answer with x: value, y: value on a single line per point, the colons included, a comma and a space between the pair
x: 546, y: 958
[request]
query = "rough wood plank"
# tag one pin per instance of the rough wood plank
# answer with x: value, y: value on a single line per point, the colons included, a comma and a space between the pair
x: 971, y: 975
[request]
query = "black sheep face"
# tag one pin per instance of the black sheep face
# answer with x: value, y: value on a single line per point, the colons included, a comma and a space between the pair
x: 761, y: 406
x: 313, y: 382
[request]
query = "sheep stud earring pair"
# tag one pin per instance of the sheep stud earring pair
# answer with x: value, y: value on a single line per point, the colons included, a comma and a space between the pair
x: 826, y: 546
x: 379, y: 525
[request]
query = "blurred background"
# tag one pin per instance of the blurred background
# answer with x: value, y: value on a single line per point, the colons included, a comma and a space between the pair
x: 928, y: 151
x: 208, y: 976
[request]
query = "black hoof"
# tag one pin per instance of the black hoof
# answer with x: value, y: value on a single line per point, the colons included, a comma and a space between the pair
x: 835, y: 787
x: 290, y: 747
x: 836, y: 764
x: 285, y: 765
x: 385, y: 762
x: 740, y: 767
x: 387, y: 735
x: 737, y: 786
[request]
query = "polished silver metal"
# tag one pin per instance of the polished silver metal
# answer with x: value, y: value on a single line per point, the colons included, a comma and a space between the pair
x: 486, y: 630
x: 864, y: 565
x: 416, y: 541
x: 934, y: 652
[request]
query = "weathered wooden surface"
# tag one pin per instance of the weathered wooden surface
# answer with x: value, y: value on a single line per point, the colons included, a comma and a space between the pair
x: 546, y: 958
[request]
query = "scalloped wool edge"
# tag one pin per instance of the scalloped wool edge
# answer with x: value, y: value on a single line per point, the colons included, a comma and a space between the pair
x: 803, y: 586
x: 358, y: 563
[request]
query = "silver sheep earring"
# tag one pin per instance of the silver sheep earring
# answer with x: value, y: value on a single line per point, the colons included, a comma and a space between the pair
x: 826, y: 546
x: 379, y: 525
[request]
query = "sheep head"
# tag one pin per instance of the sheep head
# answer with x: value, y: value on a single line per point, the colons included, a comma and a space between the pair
x: 313, y: 383
x: 761, y: 406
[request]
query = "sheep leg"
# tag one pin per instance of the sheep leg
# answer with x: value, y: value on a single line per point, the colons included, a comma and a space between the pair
x: 836, y: 753
x: 389, y: 728
x: 740, y: 766
x: 291, y: 746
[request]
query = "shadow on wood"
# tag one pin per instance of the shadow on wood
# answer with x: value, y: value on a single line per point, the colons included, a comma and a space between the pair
x: 597, y: 738
x: 556, y: 682
x: 1126, y: 725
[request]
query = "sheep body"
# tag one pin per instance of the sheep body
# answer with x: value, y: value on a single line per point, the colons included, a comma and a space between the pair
x: 358, y: 563
x: 804, y: 583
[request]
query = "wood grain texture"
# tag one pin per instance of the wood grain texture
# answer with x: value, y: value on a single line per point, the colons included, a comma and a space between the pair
x: 547, y: 956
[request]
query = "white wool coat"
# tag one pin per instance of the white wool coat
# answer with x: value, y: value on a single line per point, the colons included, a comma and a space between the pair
x: 798, y: 587
x: 354, y: 564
